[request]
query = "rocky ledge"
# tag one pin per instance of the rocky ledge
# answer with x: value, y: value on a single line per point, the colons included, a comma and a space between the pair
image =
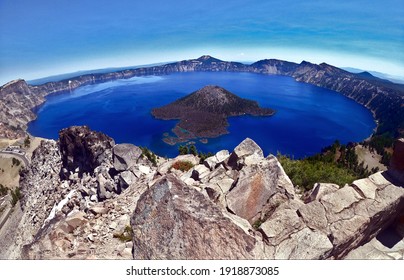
x: 86, y: 197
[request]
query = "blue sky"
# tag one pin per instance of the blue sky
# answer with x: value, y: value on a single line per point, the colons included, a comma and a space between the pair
x: 46, y: 37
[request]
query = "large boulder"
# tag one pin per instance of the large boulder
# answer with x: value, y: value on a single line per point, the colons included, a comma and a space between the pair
x: 213, y: 161
x: 319, y: 190
x: 304, y: 245
x: 126, y: 179
x: 353, y: 215
x: 125, y: 156
x: 82, y: 149
x: 173, y: 221
x: 166, y: 166
x: 256, y: 185
x: 246, y: 149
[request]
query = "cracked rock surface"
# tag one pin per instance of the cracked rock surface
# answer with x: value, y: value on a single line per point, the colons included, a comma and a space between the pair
x: 86, y: 198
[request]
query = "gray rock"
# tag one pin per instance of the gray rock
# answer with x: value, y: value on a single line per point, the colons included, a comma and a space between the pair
x: 126, y: 178
x: 144, y: 169
x: 225, y: 184
x: 213, y: 161
x: 76, y: 219
x: 191, y: 158
x: 365, y: 187
x: 340, y: 200
x: 101, y: 190
x: 125, y: 156
x: 305, y: 245
x: 222, y: 155
x: 83, y: 149
x: 217, y: 175
x: 172, y: 221
x: 166, y: 166
x: 314, y: 216
x: 215, y: 193
x: 379, y: 179
x: 319, y: 190
x: 199, y: 172
x: 99, y: 210
x: 245, y: 149
x: 256, y: 184
x: 281, y: 225
x: 396, y: 169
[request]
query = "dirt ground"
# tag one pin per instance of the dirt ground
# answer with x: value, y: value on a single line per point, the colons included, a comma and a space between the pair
x: 6, y: 142
x: 369, y: 158
x: 35, y: 141
x: 9, y: 174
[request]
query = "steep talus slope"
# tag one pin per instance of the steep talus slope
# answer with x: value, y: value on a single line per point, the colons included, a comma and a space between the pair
x: 16, y: 104
x: 235, y: 205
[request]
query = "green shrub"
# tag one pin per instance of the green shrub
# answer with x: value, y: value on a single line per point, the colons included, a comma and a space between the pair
x: 15, y: 162
x: 149, y: 155
x: 15, y: 196
x: 126, y: 235
x: 27, y: 142
x: 183, y: 150
x: 204, y: 156
x: 3, y: 190
x: 305, y: 173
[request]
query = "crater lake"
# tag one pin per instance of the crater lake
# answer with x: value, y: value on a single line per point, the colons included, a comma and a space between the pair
x: 307, y: 118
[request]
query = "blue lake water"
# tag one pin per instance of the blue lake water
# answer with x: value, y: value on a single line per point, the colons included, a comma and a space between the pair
x: 308, y: 118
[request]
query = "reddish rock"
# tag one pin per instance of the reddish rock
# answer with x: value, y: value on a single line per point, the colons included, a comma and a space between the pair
x: 173, y: 221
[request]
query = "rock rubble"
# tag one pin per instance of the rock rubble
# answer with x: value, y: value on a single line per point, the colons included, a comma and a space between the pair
x: 85, y: 197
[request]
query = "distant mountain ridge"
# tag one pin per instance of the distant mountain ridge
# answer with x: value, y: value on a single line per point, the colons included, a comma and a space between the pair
x: 385, y: 100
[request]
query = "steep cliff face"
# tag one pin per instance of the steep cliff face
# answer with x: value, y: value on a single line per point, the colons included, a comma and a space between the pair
x: 385, y: 100
x: 385, y: 103
x: 16, y: 104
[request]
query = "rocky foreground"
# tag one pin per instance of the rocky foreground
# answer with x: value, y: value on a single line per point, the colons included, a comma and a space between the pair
x: 86, y: 197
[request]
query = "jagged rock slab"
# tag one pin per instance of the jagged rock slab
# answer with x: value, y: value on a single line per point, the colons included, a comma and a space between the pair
x: 281, y: 225
x: 304, y: 245
x: 125, y: 156
x: 314, y: 215
x: 354, y: 217
x: 256, y: 185
x: 126, y: 178
x: 173, y: 221
x: 83, y: 150
x: 319, y: 190
x: 247, y: 148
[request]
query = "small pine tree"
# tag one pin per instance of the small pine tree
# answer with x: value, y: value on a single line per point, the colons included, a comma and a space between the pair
x: 183, y: 150
x: 27, y: 142
x: 193, y: 150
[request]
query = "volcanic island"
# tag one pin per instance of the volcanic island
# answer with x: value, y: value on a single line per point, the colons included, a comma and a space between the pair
x: 203, y: 113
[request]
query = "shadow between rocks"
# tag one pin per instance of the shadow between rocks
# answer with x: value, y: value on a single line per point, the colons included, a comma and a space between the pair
x: 389, y: 237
